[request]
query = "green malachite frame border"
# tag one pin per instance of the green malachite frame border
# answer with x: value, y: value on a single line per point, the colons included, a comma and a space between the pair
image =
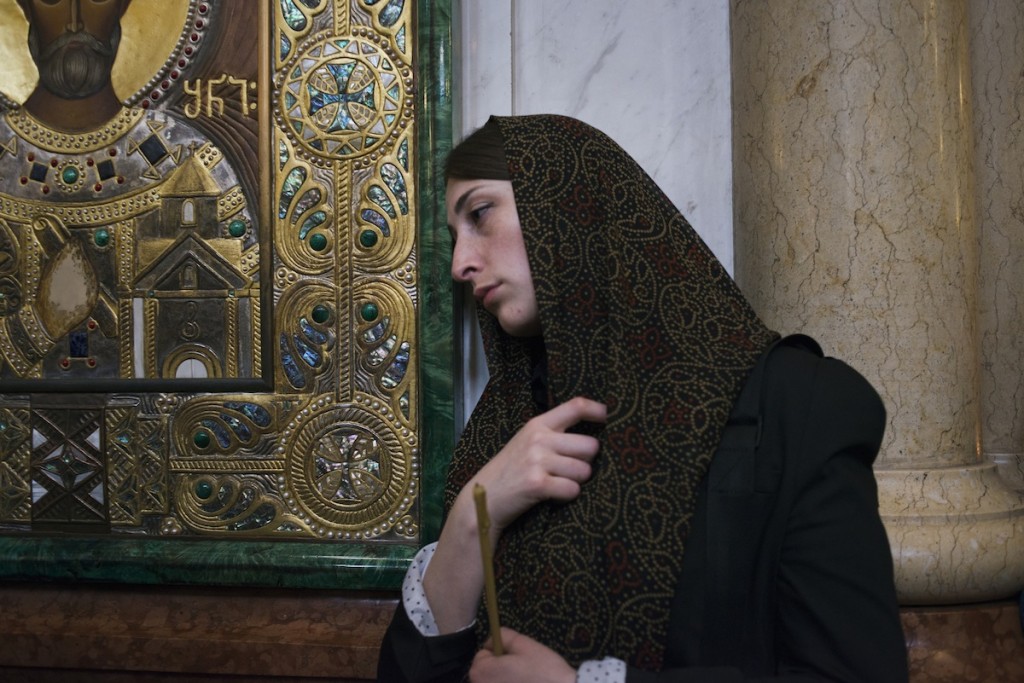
x: 295, y: 564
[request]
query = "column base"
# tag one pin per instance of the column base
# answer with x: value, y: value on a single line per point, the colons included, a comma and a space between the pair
x: 964, y: 643
x: 1011, y: 467
x: 957, y: 534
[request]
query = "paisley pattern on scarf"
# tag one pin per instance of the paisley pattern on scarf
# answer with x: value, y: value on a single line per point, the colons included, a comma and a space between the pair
x: 637, y: 313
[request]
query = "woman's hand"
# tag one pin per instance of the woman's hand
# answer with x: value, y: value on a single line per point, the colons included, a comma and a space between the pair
x: 541, y: 462
x: 524, y: 660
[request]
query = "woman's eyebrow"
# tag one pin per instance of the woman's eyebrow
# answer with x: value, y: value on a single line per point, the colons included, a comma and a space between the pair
x: 461, y: 201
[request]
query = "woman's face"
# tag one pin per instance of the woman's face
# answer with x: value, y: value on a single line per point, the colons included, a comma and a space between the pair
x: 489, y: 253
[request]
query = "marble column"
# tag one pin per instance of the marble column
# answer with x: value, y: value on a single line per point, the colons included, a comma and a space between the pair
x: 997, y: 70
x: 856, y: 222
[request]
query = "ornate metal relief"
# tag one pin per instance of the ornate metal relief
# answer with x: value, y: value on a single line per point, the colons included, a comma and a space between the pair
x: 209, y: 298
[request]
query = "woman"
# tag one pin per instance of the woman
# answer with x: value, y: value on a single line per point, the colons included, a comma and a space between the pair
x: 675, y: 494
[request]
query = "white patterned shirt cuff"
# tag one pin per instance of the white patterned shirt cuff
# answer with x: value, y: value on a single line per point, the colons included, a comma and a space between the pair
x: 414, y: 598
x: 607, y: 670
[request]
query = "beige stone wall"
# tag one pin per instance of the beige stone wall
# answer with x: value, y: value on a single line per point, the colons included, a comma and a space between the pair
x: 856, y: 190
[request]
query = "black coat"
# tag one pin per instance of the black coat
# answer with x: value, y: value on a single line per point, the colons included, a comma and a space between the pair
x: 788, y: 573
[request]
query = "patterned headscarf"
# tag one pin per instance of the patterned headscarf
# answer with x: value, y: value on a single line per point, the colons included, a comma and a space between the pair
x: 638, y: 314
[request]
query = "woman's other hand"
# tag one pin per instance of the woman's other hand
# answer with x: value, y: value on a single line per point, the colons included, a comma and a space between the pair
x: 524, y: 660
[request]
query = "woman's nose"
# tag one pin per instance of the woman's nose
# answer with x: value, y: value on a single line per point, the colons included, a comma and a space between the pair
x: 462, y: 262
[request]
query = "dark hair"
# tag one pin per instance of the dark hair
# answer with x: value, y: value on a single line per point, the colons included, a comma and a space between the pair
x: 480, y: 156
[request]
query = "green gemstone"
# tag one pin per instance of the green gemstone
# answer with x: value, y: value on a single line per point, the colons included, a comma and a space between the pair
x: 321, y: 314
x: 236, y: 228
x: 318, y: 242
x: 69, y: 175
x: 368, y: 238
x: 201, y: 439
x: 369, y: 312
x: 204, y: 489
x: 101, y: 237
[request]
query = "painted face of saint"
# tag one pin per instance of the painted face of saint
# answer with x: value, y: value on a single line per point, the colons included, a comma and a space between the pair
x: 73, y: 43
x: 489, y: 252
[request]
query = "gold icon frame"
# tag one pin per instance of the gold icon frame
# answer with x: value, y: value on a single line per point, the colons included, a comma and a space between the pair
x: 322, y: 465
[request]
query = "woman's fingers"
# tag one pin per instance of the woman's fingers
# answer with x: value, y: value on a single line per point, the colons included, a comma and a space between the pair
x: 572, y: 412
x: 542, y: 461
x: 574, y: 466
x: 576, y: 446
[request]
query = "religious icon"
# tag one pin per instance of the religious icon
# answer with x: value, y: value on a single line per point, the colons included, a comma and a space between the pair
x: 210, y: 271
x: 134, y: 229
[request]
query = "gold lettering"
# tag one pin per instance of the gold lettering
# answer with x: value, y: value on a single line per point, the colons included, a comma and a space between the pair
x: 212, y: 101
x: 194, y: 88
x: 214, y: 104
x: 243, y: 93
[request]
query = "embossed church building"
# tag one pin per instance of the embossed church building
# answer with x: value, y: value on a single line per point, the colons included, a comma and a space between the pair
x: 192, y: 305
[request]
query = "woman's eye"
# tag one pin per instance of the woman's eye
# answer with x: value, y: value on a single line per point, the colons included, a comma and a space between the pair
x: 478, y: 213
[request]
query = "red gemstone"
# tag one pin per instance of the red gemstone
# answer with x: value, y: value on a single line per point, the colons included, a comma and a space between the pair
x: 46, y: 189
x: 24, y: 180
x: 91, y: 362
x: 53, y: 162
x: 112, y: 152
x: 98, y: 187
x: 200, y: 23
x: 120, y: 180
x: 31, y: 156
x: 66, y: 363
x: 90, y: 162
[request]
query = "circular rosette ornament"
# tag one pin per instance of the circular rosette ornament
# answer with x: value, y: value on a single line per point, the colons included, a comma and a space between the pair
x: 351, y: 469
x: 344, y: 97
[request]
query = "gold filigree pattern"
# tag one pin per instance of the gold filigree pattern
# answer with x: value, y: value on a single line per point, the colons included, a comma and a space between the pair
x: 15, y: 477
x: 351, y: 467
x: 307, y: 264
x: 31, y: 130
x: 294, y: 22
x: 122, y: 451
x: 389, y: 20
x: 304, y: 229
x: 307, y: 317
x: 345, y: 97
x: 150, y: 448
x: 385, y: 330
x: 233, y: 504
x: 385, y: 226
x: 218, y: 425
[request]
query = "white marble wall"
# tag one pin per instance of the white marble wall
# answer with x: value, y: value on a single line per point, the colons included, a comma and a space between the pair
x: 653, y: 75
